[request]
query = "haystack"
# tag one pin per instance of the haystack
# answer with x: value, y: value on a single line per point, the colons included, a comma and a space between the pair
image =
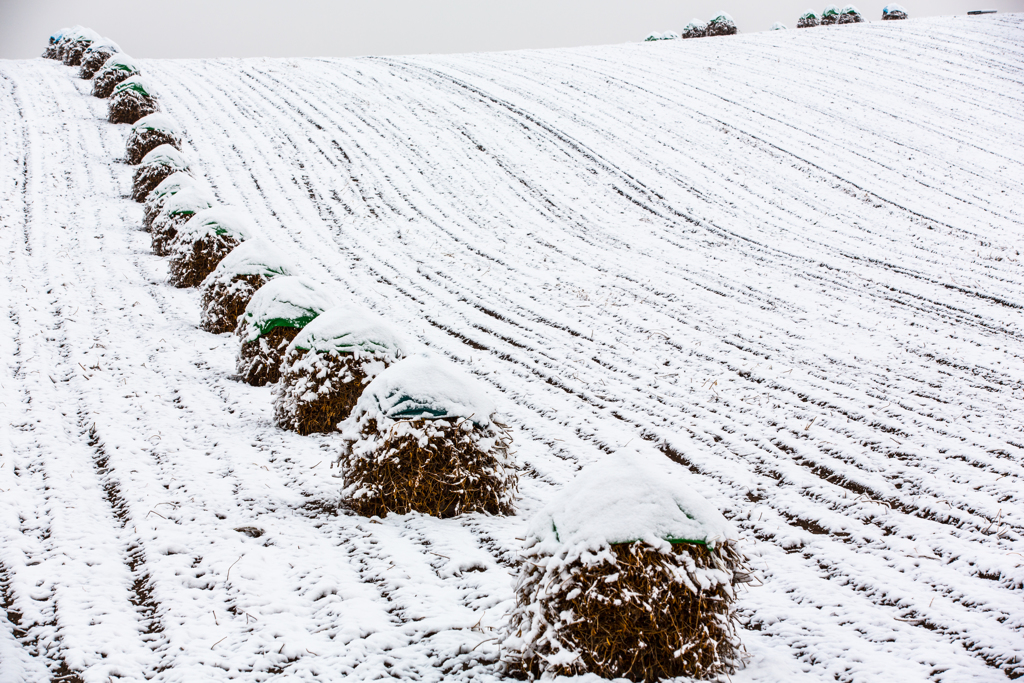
x: 178, y: 209
x: 148, y: 133
x: 168, y: 187
x: 51, y: 48
x: 66, y: 37
x: 695, y: 29
x: 721, y: 25
x: 423, y: 438
x: 807, y: 20
x: 76, y: 45
x: 778, y: 26
x: 229, y: 288
x: 327, y: 365
x: 850, y: 15
x: 830, y: 16
x: 133, y: 98
x: 629, y: 573
x: 96, y: 55
x: 155, y: 166
x: 667, y: 35
x: 893, y: 12
x: 116, y: 69
x: 274, y: 316
x: 204, y: 241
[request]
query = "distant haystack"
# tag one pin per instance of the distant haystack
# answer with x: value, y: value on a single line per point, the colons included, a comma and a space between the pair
x: 807, y: 20
x: 721, y: 25
x: 423, y: 438
x: 778, y: 26
x: 204, y: 241
x: 229, y: 288
x: 96, y: 55
x: 148, y: 133
x: 667, y: 35
x: 133, y: 98
x: 830, y: 16
x: 76, y: 45
x: 695, y: 29
x: 116, y: 69
x: 154, y: 168
x: 274, y: 316
x: 850, y: 15
x: 628, y: 573
x: 328, y: 364
x: 893, y: 12
x: 51, y: 49
x: 177, y: 210
x: 158, y: 195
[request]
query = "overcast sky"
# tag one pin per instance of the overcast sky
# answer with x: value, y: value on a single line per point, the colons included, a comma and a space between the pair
x: 317, y: 28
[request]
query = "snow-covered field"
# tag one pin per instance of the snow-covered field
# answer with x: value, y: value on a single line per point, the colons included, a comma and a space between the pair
x: 790, y: 261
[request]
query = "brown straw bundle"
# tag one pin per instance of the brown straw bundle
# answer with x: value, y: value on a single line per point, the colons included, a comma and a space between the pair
x: 422, y: 439
x: 328, y: 364
x: 154, y: 168
x: 276, y: 313
x: 229, y: 288
x: 628, y: 573
x: 204, y: 241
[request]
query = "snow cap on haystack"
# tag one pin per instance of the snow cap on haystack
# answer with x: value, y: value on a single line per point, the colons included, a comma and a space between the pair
x: 166, y: 155
x: 425, y: 386
x: 119, y: 62
x: 227, y: 221
x: 138, y: 85
x: 778, y: 26
x: 626, y: 497
x: 172, y: 184
x: 255, y: 256
x: 288, y: 301
x: 104, y: 45
x: 158, y: 121
x: 350, y: 330
x: 187, y: 199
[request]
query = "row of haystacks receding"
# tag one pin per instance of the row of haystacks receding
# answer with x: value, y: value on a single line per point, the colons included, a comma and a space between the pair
x: 723, y: 25
x: 626, y: 572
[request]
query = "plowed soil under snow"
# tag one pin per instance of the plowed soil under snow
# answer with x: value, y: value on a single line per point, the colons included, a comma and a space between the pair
x: 789, y: 261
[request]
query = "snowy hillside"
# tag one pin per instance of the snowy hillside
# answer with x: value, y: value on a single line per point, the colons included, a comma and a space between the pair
x: 790, y: 261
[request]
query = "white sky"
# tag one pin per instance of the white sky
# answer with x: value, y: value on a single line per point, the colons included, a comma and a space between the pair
x: 311, y: 28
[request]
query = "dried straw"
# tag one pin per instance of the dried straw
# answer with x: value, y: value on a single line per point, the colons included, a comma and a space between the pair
x: 142, y: 142
x: 92, y: 61
x: 164, y: 229
x: 105, y: 82
x: 318, y: 390
x: 437, y: 467
x: 74, y: 51
x: 192, y: 262
x: 224, y: 302
x: 633, y: 612
x: 147, y: 177
x: 259, y: 361
x: 129, y: 106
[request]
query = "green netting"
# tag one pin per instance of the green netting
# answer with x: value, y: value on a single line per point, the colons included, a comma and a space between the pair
x: 409, y: 408
x: 273, y: 323
x: 831, y: 12
x: 134, y: 86
x: 808, y: 15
